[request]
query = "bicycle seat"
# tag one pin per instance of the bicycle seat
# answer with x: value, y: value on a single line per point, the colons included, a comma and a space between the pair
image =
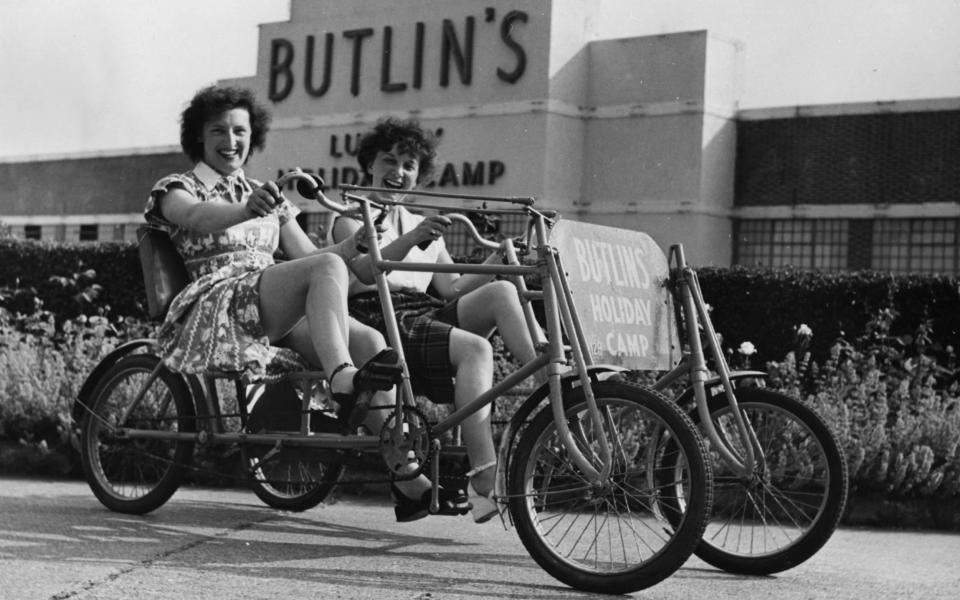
x: 164, y: 274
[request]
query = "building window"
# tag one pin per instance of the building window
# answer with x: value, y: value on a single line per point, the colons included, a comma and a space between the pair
x: 88, y: 233
x: 915, y: 245
x: 31, y: 232
x: 802, y: 243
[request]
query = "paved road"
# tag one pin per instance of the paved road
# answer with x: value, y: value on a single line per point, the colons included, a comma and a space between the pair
x: 58, y: 542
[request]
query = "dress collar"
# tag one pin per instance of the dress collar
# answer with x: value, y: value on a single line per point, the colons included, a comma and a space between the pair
x: 209, y: 178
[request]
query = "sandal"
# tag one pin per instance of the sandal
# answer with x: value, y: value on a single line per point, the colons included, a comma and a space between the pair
x: 485, y: 507
x: 380, y: 373
x: 452, y: 503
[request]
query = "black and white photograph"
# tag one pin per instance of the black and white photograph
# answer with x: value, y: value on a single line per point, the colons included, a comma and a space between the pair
x: 450, y: 300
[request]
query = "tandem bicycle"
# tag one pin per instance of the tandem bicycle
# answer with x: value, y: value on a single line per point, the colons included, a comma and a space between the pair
x: 609, y: 484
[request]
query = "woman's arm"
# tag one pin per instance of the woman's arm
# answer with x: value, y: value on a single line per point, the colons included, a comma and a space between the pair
x: 345, y: 230
x: 451, y: 285
x: 182, y: 208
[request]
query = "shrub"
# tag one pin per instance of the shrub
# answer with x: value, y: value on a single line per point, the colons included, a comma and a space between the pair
x: 45, y: 368
x: 893, y: 406
x: 69, y: 279
x: 764, y: 305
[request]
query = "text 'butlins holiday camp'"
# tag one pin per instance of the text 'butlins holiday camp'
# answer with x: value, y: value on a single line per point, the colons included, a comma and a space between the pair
x: 622, y: 267
x: 615, y: 277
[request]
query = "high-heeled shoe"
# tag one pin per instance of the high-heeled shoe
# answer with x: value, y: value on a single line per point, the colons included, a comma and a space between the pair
x: 485, y: 506
x: 452, y: 503
x: 380, y: 373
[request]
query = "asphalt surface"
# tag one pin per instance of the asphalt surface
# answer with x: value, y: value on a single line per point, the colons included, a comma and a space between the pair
x: 58, y: 542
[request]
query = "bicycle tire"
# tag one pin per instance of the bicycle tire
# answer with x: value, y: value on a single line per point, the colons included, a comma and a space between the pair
x: 548, y: 498
x: 293, y: 478
x: 136, y: 476
x: 801, y: 487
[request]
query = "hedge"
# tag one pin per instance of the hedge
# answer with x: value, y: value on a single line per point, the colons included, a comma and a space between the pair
x: 763, y: 306
x: 71, y: 278
x: 766, y: 306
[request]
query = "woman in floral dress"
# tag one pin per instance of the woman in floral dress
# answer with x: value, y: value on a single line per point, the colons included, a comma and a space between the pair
x: 243, y: 312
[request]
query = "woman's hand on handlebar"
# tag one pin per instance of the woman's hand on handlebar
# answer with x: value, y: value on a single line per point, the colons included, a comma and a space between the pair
x: 430, y: 229
x: 264, y: 200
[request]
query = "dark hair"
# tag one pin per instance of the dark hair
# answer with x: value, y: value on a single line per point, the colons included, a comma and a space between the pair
x: 213, y: 101
x: 408, y: 136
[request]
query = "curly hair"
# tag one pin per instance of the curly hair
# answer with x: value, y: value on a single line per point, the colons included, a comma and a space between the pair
x: 212, y: 101
x: 408, y: 136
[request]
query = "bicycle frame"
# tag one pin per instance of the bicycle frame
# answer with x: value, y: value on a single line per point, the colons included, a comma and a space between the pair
x: 612, y: 499
x: 693, y: 310
x: 558, y: 305
x: 561, y: 319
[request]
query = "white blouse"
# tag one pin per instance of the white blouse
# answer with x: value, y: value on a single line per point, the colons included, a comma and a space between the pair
x: 398, y: 222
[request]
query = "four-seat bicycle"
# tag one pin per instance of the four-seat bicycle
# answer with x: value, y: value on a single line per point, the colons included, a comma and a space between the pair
x: 610, y: 484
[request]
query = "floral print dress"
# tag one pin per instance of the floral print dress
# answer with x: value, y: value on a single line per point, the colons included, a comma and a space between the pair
x: 213, y: 325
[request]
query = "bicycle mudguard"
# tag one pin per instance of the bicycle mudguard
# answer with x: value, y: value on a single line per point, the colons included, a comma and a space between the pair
x: 76, y: 413
x: 687, y: 394
x: 523, y: 413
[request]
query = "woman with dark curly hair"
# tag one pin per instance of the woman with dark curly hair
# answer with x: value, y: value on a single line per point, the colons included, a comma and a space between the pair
x: 445, y: 339
x: 242, y: 312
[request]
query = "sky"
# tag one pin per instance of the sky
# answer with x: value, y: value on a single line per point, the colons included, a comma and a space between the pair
x: 104, y: 75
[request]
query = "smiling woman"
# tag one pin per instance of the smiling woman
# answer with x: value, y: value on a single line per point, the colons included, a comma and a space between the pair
x: 444, y: 336
x: 226, y: 227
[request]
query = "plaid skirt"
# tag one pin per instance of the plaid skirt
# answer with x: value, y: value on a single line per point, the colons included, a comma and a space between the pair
x: 424, y: 323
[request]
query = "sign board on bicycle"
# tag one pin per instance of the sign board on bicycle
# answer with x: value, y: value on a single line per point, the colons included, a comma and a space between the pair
x: 618, y: 282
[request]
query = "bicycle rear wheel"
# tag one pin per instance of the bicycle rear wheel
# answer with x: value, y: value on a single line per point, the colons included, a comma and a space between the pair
x: 283, y: 476
x: 611, y: 537
x: 791, y: 505
x: 294, y: 478
x: 128, y: 475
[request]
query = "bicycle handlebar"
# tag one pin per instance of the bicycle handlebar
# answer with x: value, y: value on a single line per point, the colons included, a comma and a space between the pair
x: 472, y: 230
x: 521, y: 200
x: 308, y: 186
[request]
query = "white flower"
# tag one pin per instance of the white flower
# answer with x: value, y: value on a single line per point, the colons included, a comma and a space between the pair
x: 747, y: 348
x: 804, y: 330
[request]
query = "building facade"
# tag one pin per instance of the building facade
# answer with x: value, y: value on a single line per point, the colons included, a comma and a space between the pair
x: 640, y: 133
x: 856, y: 186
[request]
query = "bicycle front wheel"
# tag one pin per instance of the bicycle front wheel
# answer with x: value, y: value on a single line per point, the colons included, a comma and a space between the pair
x: 788, y: 508
x: 611, y: 536
x: 136, y: 475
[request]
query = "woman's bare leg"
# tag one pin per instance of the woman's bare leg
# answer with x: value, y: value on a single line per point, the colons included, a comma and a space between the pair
x: 496, y: 305
x: 315, y: 287
x: 472, y: 357
x: 365, y: 343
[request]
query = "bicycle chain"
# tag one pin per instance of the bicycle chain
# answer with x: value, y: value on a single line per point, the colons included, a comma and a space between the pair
x: 413, y: 448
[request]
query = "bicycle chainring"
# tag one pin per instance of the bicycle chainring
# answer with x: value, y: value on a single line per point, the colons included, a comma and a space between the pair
x: 411, y: 447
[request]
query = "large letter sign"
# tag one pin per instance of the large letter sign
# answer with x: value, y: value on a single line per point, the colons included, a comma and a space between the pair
x: 618, y: 281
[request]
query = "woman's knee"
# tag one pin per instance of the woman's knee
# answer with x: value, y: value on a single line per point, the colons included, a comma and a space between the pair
x: 326, y: 265
x: 365, y: 341
x: 499, y: 292
x: 469, y: 348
